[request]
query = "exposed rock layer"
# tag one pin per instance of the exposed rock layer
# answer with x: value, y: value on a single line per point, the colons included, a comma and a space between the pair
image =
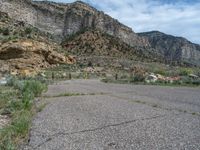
x: 63, y: 20
x: 30, y: 55
x: 173, y: 48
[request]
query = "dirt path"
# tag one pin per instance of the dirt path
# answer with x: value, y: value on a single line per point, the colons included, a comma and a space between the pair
x: 113, y: 116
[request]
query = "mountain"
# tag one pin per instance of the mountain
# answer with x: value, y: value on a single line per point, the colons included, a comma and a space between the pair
x: 173, y: 48
x: 93, y: 42
x: 64, y: 19
x: 25, y: 48
x: 106, y: 36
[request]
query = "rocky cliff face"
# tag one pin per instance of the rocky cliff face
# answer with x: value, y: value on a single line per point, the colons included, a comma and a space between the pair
x: 23, y: 47
x: 64, y: 19
x: 79, y: 15
x: 173, y: 48
x: 30, y: 54
x: 46, y: 17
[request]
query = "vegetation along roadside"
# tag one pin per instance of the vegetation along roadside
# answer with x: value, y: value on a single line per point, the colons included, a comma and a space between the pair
x: 17, y: 103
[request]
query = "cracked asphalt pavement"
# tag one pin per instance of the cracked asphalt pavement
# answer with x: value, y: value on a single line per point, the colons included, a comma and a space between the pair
x: 122, y: 117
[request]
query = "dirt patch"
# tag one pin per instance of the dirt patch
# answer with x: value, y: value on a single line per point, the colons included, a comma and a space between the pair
x: 4, y: 120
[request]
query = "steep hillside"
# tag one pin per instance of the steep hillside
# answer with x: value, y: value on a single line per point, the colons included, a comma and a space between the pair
x: 23, y: 47
x: 92, y: 42
x: 174, y: 48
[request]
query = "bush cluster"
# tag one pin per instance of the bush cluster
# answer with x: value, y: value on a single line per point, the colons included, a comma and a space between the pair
x: 137, y: 78
x: 5, y: 31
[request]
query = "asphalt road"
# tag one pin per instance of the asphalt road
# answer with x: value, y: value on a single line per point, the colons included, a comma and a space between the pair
x: 117, y: 116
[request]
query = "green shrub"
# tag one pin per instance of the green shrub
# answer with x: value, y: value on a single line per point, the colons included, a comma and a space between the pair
x: 124, y: 76
x: 27, y: 99
x: 106, y: 80
x: 36, y: 87
x: 5, y: 31
x: 18, y: 103
x: 190, y: 81
x: 178, y: 82
x: 28, y: 30
x: 21, y: 123
x: 138, y: 78
x: 32, y: 86
x: 196, y: 82
x: 161, y: 82
x: 185, y: 71
x: 160, y: 71
x: 18, y: 129
x: 14, y: 82
x: 186, y: 80
x: 14, y: 105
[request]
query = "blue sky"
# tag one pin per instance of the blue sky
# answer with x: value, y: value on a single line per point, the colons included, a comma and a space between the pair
x: 176, y: 17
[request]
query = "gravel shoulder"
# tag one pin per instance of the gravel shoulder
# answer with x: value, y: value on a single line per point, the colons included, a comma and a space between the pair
x: 116, y: 116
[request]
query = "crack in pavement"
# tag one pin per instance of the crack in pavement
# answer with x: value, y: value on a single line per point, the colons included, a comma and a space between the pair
x: 151, y: 104
x: 95, y: 129
x: 73, y: 95
x: 168, y: 100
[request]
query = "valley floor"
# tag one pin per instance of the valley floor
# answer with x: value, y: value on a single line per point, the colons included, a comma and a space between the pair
x: 89, y: 114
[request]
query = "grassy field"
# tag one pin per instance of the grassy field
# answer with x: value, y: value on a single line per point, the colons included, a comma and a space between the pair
x: 17, y: 102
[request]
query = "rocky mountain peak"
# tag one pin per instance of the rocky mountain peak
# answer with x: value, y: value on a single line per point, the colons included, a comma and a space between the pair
x: 153, y: 33
x: 80, y: 6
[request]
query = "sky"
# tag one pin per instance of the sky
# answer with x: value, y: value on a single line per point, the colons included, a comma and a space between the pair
x: 176, y: 17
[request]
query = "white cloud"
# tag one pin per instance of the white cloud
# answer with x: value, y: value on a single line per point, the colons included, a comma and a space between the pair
x: 179, y: 18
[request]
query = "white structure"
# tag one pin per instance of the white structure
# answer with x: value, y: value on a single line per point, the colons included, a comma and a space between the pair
x: 151, y: 78
x: 3, y: 81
